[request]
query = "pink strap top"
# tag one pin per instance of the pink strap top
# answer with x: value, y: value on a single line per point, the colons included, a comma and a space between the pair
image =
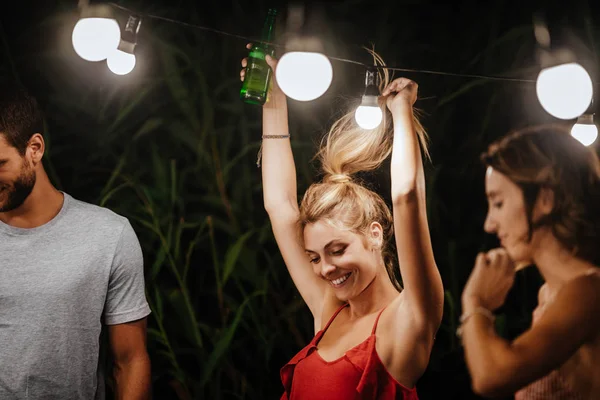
x: 552, y: 386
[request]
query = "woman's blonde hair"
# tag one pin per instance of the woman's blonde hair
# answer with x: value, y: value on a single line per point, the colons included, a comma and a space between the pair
x: 346, y: 150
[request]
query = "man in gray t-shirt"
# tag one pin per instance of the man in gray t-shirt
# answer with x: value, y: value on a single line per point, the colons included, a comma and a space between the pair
x: 66, y: 268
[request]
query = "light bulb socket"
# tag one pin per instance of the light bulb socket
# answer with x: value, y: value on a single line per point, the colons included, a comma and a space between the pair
x: 132, y: 27
x: 371, y: 83
x: 129, y: 35
x: 551, y: 58
x: 540, y: 30
x: 585, y: 119
x: 296, y: 36
x: 369, y: 101
x: 371, y: 77
x: 95, y: 11
x: 126, y: 47
x: 81, y: 4
x: 302, y: 43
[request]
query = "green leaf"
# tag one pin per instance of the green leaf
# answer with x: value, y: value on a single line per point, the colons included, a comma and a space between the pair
x: 158, y: 263
x: 179, y: 89
x: 156, y: 335
x: 130, y: 107
x: 177, y: 302
x: 224, y: 342
x: 149, y: 125
x: 106, y: 197
x: 232, y: 255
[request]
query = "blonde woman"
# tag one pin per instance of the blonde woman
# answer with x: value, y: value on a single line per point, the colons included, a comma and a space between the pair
x: 373, y: 338
x: 543, y: 189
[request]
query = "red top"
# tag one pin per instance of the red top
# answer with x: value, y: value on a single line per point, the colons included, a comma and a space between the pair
x: 359, y: 374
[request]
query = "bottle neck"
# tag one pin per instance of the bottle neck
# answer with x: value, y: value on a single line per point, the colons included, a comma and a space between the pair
x: 267, y: 32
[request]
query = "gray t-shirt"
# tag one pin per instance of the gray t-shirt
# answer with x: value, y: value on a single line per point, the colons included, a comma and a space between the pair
x: 58, y: 283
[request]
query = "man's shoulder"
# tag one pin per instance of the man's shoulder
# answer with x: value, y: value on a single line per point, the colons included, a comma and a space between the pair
x: 94, y: 214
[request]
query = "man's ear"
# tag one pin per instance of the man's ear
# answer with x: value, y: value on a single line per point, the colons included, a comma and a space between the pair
x: 35, y: 149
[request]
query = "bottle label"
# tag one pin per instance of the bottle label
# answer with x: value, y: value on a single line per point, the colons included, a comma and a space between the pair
x: 256, y: 66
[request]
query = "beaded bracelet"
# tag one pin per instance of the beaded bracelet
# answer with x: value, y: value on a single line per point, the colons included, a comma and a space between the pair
x: 276, y: 136
x: 259, y: 156
x: 465, y: 317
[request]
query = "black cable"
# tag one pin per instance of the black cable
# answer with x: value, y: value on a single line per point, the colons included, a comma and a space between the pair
x: 250, y: 40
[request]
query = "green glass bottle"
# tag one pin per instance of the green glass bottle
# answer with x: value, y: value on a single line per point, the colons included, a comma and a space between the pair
x: 258, y: 73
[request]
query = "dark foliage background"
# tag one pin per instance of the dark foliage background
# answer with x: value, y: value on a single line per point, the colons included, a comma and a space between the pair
x: 172, y: 148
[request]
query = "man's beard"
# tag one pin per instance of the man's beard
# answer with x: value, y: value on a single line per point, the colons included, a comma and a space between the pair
x: 20, y: 191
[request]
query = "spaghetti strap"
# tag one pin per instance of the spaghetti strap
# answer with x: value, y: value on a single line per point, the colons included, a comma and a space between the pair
x: 377, y: 320
x: 333, y: 317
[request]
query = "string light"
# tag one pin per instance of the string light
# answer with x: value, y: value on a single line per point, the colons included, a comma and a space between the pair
x: 303, y: 72
x: 248, y: 39
x: 564, y: 89
x: 122, y: 60
x: 369, y: 115
x: 97, y: 33
x: 304, y: 76
x: 585, y: 130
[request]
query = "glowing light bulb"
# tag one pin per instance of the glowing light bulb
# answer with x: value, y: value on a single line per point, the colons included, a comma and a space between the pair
x: 304, y: 76
x: 95, y: 38
x: 120, y: 62
x: 585, y: 130
x: 565, y: 91
x: 369, y: 115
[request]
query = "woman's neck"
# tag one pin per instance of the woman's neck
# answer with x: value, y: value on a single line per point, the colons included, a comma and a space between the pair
x: 377, y: 295
x: 555, y: 262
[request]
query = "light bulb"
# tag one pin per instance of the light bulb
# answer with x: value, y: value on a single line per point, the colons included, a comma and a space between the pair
x: 368, y: 115
x: 585, y: 130
x: 120, y: 62
x: 586, y: 134
x: 304, y: 76
x: 95, y: 38
x: 565, y: 91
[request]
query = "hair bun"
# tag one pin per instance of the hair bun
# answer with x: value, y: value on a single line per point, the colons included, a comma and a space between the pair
x: 338, y: 178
